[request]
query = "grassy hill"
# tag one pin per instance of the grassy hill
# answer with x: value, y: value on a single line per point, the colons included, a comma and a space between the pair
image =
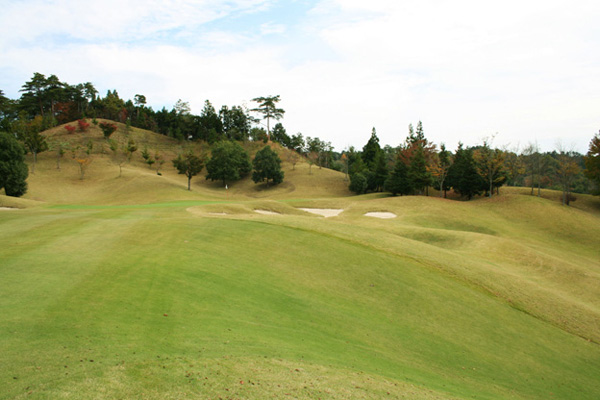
x: 133, y: 287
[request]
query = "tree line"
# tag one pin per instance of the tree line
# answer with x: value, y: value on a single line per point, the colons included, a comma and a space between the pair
x: 417, y: 165
x: 413, y: 167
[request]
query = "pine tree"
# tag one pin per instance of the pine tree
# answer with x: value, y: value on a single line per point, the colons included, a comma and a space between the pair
x: 463, y: 175
x: 371, y: 149
x: 267, y: 166
x: 398, y: 182
x: 419, y: 176
x: 380, y: 172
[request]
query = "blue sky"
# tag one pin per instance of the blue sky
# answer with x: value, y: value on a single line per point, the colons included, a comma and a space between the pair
x: 521, y: 70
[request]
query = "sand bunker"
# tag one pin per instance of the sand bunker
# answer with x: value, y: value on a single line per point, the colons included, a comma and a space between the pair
x: 382, y: 215
x: 266, y: 212
x: 8, y: 208
x: 217, y: 213
x: 325, y: 212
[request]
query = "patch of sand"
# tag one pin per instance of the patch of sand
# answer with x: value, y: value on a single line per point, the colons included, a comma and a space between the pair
x: 382, y: 215
x: 325, y: 212
x: 8, y: 208
x: 217, y: 213
x: 266, y: 212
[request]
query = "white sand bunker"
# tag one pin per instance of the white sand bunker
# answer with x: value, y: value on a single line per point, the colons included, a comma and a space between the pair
x: 266, y: 212
x: 8, y: 208
x: 325, y: 212
x: 217, y: 213
x: 382, y: 215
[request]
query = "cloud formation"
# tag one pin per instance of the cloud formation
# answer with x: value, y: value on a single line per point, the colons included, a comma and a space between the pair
x: 467, y: 69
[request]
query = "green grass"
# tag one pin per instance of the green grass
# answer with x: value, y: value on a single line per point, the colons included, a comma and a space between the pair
x: 245, y: 301
x: 133, y: 287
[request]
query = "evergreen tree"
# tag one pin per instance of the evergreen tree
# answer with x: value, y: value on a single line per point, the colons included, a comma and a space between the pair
x: 228, y: 162
x: 358, y: 183
x: 13, y: 170
x: 380, y: 172
x: 398, y: 182
x: 463, y: 175
x: 267, y: 107
x: 211, y: 127
x: 371, y: 149
x: 420, y: 177
x: 279, y: 135
x: 267, y: 166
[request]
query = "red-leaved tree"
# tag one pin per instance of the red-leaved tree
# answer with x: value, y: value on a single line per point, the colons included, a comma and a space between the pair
x: 83, y: 125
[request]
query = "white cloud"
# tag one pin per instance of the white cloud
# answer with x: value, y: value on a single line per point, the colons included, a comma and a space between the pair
x: 467, y: 69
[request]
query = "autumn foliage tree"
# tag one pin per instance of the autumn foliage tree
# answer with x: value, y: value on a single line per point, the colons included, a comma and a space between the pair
x: 107, y: 129
x: 83, y: 125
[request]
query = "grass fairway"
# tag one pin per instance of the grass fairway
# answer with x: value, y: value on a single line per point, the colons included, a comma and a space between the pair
x: 132, y: 287
x: 158, y: 302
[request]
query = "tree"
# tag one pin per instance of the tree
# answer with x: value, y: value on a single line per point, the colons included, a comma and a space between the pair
x: 60, y: 148
x: 371, y: 149
x: 439, y: 169
x: 279, y: 135
x: 358, y: 183
x: 463, y: 175
x: 267, y: 107
x: 211, y: 127
x: 228, y: 162
x: 592, y: 160
x: 107, y: 129
x: 235, y: 122
x: 489, y: 165
x: 131, y: 148
x: 32, y: 139
x: 267, y: 166
x: 293, y: 158
x: 566, y: 173
x: 417, y: 171
x: 297, y: 143
x: 189, y: 165
x: 380, y: 172
x: 13, y: 169
x: 399, y: 182
x: 531, y: 157
x: 120, y: 154
x: 33, y: 97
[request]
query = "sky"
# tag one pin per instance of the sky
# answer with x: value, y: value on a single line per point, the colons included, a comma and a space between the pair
x: 512, y: 72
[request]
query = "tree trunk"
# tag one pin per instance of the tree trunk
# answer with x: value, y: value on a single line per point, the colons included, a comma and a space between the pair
x: 189, y: 182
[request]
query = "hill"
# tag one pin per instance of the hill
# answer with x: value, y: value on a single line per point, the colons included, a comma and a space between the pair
x: 133, y: 287
x: 139, y: 184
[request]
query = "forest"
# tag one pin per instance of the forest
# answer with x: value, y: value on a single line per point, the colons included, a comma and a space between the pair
x: 410, y: 168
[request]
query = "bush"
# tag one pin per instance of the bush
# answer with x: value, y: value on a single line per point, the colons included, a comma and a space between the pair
x: 70, y: 128
x: 83, y: 125
x: 358, y: 183
x: 107, y: 129
x: 13, y: 170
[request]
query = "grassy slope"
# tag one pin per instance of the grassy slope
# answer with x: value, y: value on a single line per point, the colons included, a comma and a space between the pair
x: 168, y: 301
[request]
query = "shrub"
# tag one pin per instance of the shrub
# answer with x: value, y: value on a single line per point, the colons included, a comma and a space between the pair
x: 83, y: 125
x: 70, y: 128
x: 107, y: 129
